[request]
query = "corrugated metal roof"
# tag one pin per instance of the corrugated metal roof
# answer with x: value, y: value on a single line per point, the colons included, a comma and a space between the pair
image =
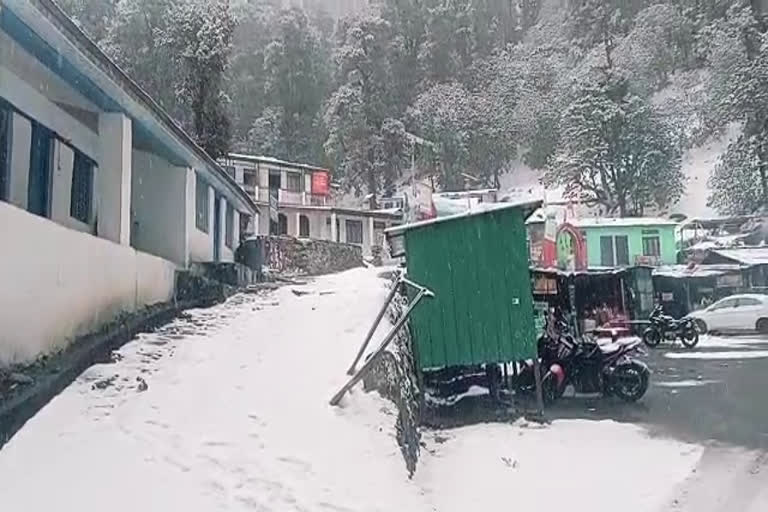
x: 480, y: 209
x: 600, y: 222
x: 686, y: 271
x: 745, y: 255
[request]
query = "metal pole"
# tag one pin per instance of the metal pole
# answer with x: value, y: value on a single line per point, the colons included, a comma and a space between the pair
x: 375, y: 325
x: 377, y: 354
x: 537, y: 378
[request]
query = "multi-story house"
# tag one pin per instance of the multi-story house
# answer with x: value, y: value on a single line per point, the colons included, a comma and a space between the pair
x: 296, y: 201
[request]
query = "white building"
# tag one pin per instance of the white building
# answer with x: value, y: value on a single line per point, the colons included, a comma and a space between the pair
x: 301, y: 204
x: 102, y: 195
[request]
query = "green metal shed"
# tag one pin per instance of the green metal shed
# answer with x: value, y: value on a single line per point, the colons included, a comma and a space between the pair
x: 477, y: 265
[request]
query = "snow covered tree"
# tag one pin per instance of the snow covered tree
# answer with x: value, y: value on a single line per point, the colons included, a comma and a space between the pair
x: 615, y: 151
x: 357, y: 115
x: 296, y: 78
x: 93, y: 16
x: 471, y: 131
x: 200, y: 34
x: 740, y: 181
x: 136, y: 40
x: 738, y: 185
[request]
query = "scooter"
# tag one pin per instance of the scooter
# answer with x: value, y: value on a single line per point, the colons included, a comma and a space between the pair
x: 664, y: 327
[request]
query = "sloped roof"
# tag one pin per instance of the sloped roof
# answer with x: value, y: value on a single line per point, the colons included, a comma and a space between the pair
x: 481, y: 209
x: 745, y: 255
x: 598, y: 222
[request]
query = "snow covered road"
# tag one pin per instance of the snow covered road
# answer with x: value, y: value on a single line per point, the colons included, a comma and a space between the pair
x: 226, y: 409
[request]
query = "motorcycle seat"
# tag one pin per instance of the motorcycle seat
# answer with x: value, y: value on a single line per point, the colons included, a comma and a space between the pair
x: 610, y: 348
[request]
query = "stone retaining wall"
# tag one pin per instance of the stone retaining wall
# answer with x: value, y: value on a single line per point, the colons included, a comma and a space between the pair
x: 311, y: 257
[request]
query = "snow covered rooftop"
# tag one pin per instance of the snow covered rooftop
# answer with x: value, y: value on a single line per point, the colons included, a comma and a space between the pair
x: 476, y: 210
x: 273, y: 161
x: 683, y: 271
x: 595, y: 222
x: 746, y: 255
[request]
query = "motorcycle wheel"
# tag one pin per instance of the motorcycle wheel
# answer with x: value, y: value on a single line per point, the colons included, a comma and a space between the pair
x: 689, y: 337
x: 630, y: 381
x: 651, y: 337
x: 549, y: 388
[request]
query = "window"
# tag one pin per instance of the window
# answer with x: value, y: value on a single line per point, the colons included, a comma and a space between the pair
x: 229, y: 226
x: 378, y: 233
x: 274, y: 179
x: 202, y: 205
x: 622, y: 250
x: 724, y: 304
x: 294, y: 182
x: 250, y: 178
x: 651, y: 246
x: 229, y: 169
x: 80, y: 198
x: 303, y: 226
x: 5, y: 152
x: 282, y: 224
x: 748, y: 301
x: 40, y: 164
x: 606, y: 251
x: 354, y: 231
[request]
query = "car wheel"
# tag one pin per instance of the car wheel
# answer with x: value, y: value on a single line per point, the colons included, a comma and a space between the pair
x: 701, y: 325
x: 762, y: 326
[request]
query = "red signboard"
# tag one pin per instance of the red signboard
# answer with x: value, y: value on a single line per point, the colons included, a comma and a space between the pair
x: 320, y: 183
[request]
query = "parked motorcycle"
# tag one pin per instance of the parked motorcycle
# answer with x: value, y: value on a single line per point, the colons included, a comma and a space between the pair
x: 588, y: 366
x: 607, y: 369
x: 664, y: 327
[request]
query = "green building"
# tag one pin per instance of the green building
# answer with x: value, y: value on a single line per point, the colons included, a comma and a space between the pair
x: 477, y: 265
x: 628, y: 241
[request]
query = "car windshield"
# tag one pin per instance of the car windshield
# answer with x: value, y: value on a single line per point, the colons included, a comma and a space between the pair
x: 366, y: 255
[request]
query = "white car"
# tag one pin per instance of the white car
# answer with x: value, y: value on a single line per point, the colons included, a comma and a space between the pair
x: 734, y: 313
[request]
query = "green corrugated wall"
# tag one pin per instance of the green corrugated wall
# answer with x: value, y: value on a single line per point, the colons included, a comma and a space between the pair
x: 483, y: 308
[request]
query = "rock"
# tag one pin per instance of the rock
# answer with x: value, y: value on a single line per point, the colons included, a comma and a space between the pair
x: 143, y: 386
x: 20, y: 378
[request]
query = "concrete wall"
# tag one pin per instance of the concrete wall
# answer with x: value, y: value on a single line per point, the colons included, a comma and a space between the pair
x: 59, y: 283
x: 200, y: 242
x: 158, y: 207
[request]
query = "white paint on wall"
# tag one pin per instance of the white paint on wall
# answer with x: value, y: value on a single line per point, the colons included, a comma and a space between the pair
x: 114, y: 178
x: 158, y: 207
x: 61, y: 188
x: 35, y: 105
x: 59, y: 283
x: 21, y: 141
x: 200, y: 242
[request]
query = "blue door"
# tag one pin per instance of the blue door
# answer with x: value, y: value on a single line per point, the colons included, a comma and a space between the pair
x: 216, y: 227
x: 39, y: 186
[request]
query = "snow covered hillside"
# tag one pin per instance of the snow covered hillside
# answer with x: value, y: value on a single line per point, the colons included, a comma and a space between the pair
x: 227, y: 409
x: 698, y: 164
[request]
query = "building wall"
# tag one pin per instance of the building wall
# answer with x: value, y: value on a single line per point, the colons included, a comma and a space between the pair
x: 158, y: 207
x: 59, y: 283
x: 635, y: 240
x: 200, y: 242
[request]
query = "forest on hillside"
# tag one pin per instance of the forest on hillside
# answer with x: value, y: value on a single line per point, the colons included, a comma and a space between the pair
x: 603, y: 96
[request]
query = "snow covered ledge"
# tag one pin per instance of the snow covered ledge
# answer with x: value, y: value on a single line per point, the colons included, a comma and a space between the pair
x: 58, y: 284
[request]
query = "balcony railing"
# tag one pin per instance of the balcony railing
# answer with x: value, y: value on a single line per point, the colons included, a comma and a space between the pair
x: 286, y: 197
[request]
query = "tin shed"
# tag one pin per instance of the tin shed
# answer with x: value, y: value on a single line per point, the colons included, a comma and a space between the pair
x: 477, y: 265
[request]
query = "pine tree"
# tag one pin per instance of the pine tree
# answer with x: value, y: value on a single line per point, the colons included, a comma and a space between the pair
x: 615, y: 151
x: 200, y: 34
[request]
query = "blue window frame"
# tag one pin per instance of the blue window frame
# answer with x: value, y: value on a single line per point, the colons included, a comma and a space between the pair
x: 81, y: 196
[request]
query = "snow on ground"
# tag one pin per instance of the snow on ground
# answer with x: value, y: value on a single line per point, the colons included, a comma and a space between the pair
x: 727, y: 354
x: 741, y: 347
x: 227, y: 409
